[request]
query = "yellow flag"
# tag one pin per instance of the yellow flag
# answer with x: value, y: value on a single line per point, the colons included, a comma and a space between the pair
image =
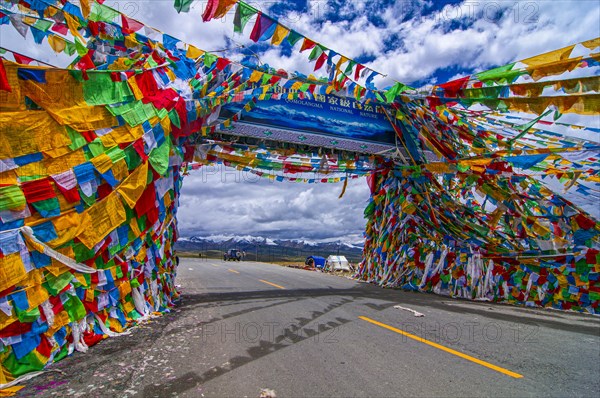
x: 36, y: 296
x: 255, y: 76
x: 540, y: 229
x: 438, y: 167
x: 12, y: 270
x: 120, y: 170
x: 193, y: 52
x: 66, y: 227
x: 124, y: 288
x: 549, y: 57
x: 29, y: 20
x: 137, y: 93
x: 280, y: 33
x: 102, y: 163
x: 134, y: 228
x: 130, y: 41
x: 340, y: 62
x: 475, y: 162
x: 128, y: 307
x: 73, y: 24
x: 296, y: 85
x: 28, y: 132
x: 85, y: 7
x: 591, y: 44
x: 84, y: 117
x: 133, y: 186
x: 100, y: 219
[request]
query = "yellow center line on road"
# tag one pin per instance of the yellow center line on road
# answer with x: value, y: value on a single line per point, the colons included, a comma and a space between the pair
x: 214, y: 265
x: 441, y: 347
x: 232, y: 270
x: 272, y: 284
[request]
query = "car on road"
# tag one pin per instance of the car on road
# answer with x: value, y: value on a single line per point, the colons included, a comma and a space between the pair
x: 233, y: 255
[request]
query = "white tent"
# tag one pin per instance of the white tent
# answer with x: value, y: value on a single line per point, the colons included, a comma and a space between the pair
x: 337, y: 263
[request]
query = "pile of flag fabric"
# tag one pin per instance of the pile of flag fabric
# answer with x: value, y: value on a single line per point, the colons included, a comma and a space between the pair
x: 92, y: 159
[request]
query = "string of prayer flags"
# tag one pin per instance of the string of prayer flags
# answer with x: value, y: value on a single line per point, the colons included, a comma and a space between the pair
x: 267, y: 28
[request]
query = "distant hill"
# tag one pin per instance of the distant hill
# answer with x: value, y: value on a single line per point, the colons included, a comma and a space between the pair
x: 265, y: 249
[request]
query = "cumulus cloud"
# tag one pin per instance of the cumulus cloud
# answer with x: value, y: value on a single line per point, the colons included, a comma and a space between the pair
x: 220, y: 200
x: 411, y: 40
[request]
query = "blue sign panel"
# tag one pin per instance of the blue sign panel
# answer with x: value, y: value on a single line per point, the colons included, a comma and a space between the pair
x: 326, y: 121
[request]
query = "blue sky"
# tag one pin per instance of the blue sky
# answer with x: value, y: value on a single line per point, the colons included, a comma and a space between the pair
x: 418, y: 42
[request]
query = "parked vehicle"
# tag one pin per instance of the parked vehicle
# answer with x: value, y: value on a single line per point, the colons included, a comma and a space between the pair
x: 232, y: 255
x: 315, y: 261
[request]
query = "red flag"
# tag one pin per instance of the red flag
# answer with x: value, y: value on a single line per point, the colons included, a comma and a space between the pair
x: 85, y: 63
x: 139, y: 148
x: 320, y: 61
x: 454, y: 88
x: 584, y: 222
x: 210, y: 10
x: 371, y: 182
x: 359, y: 67
x: 222, y: 63
x: 4, y: 85
x: 38, y: 190
x: 130, y: 25
x: 60, y: 28
x: 307, y: 44
x: 256, y: 31
x: 21, y: 59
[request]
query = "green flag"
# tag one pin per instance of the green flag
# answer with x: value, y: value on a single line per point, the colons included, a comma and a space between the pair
x: 74, y: 308
x: 243, y: 13
x: 80, y: 46
x: 103, y: 13
x: 316, y: 52
x: 159, y: 158
x: 11, y: 197
x: 183, y: 5
x: 349, y: 67
x: 54, y: 284
x: 293, y: 37
x: 209, y: 59
x: 396, y: 89
x: 502, y: 73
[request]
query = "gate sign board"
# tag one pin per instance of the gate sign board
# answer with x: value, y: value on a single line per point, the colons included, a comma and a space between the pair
x: 325, y: 121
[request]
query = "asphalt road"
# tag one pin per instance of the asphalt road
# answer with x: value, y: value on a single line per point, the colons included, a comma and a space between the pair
x: 245, y: 326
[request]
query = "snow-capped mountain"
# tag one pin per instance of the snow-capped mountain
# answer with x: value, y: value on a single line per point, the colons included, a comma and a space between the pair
x: 275, y: 249
x: 246, y: 239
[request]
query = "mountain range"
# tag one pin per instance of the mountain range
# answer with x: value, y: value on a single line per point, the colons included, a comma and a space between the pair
x: 265, y: 249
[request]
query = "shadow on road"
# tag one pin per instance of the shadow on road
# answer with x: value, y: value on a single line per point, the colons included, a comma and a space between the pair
x: 262, y: 348
x: 364, y: 292
x: 369, y: 295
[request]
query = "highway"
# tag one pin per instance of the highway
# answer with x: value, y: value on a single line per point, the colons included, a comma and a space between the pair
x: 245, y: 326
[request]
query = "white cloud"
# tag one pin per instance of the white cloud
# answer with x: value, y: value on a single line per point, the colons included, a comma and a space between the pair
x: 222, y: 200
